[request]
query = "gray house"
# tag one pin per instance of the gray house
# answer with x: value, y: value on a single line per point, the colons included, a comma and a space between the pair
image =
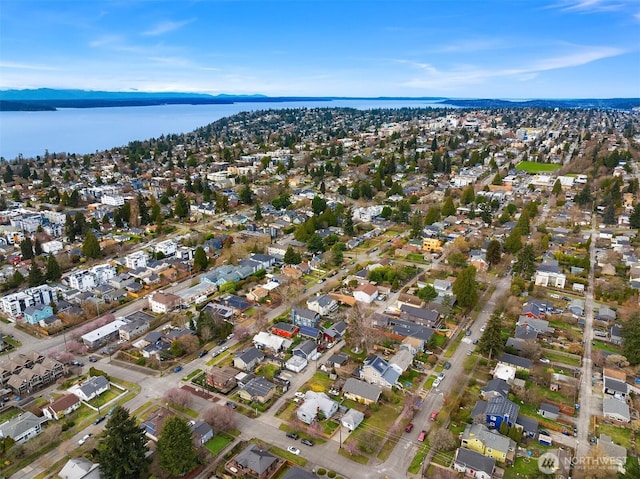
x: 361, y: 391
x: 248, y: 359
x: 352, y: 419
x: 550, y: 411
x: 201, y: 432
x: 616, y: 410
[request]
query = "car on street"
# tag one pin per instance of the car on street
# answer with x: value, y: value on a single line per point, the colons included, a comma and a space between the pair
x: 84, y: 439
x: 433, y: 415
x: 436, y: 383
x: 545, y: 360
x: 232, y: 405
x: 469, y: 352
x: 99, y: 419
x: 447, y: 365
x: 93, y: 359
x: 422, y: 435
x: 299, y: 394
x: 177, y: 369
x: 77, y: 363
x: 202, y: 353
x: 475, y: 341
x: 409, y: 427
x: 293, y: 450
x: 293, y: 435
x: 441, y: 376
x: 467, y: 332
x: 482, y: 329
x: 307, y: 442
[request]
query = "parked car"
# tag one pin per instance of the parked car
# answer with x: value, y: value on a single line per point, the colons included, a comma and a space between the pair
x: 545, y: 360
x: 84, y: 439
x: 293, y: 435
x: 436, y: 383
x: 307, y: 442
x: 422, y: 435
x: 99, y: 419
x: 93, y: 359
x: 177, y: 369
x: 232, y: 405
x: 409, y: 427
x: 475, y: 341
x: 293, y: 450
x: 441, y: 376
x: 202, y: 353
x: 299, y: 394
x: 447, y: 365
x: 469, y: 352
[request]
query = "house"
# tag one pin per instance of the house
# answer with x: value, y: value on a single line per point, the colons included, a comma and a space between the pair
x: 402, y: 360
x: 615, y: 388
x: 258, y: 389
x: 61, y: 407
x: 361, y: 391
x: 296, y: 364
x: 304, y: 317
x: 497, y: 410
x: 432, y: 245
x: 286, y: 330
x: 616, y: 453
x: 298, y: 473
x: 365, y: 293
x: 255, y: 462
x: 474, y: 464
x: 352, y: 419
x: 337, y: 360
x: 264, y: 340
x: 615, y: 335
x: 420, y: 316
x: 443, y: 287
x: 495, y: 388
x: 549, y: 275
x: 162, y: 303
x: 376, y: 370
x: 22, y: 427
x: 606, y: 314
x: 257, y: 294
x: 222, y: 378
x: 322, y: 304
x: 550, y: 411
x: 91, y: 388
x: 201, y: 433
x: 134, y: 329
x: 38, y: 312
x: 335, y: 332
x: 616, y: 410
x: 315, y: 403
x: 577, y: 307
x: 80, y: 468
x: 248, y: 359
x: 520, y: 363
x: 479, y: 438
x: 307, y: 350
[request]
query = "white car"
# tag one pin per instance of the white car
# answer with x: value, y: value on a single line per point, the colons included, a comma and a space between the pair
x: 84, y: 439
x: 293, y: 450
x: 436, y: 383
x: 545, y: 360
x: 441, y: 376
x: 298, y: 394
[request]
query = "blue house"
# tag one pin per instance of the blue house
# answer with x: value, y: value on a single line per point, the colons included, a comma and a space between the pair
x: 304, y: 317
x: 497, y: 410
x: 34, y: 314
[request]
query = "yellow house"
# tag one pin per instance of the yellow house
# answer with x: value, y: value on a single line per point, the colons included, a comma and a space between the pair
x: 479, y: 438
x: 431, y: 244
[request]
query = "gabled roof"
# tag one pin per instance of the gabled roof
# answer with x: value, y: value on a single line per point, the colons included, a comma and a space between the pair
x: 93, y: 385
x: 20, y: 424
x: 516, y: 361
x: 63, y: 403
x: 550, y: 408
x: 499, y: 386
x: 616, y: 407
x: 259, y: 387
x: 615, y: 385
x: 502, y: 407
x: 250, y: 354
x: 475, y: 461
x: 362, y: 389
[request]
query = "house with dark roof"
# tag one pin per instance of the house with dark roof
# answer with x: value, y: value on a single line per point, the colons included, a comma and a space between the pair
x: 408, y: 329
x: 222, y: 378
x: 518, y: 362
x: 550, y: 411
x: 253, y: 461
x: 479, y: 438
x: 337, y: 360
x: 495, y: 388
x: 335, y: 332
x: 286, y: 330
x: 615, y: 388
x: 420, y: 316
x: 248, y: 359
x: 304, y: 317
x: 201, y: 433
x: 258, y: 389
x: 361, y: 391
x: 22, y: 427
x: 306, y: 350
x: 91, y: 388
x: 297, y: 473
x: 495, y: 411
x: 474, y: 464
x: 376, y: 370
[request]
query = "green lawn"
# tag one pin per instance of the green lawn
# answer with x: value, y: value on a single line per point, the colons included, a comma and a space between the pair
x: 416, y: 463
x: 522, y: 467
x: 619, y: 435
x: 533, y: 167
x: 298, y: 460
x: 611, y: 348
x: 561, y: 358
x: 218, y: 443
x: 192, y: 375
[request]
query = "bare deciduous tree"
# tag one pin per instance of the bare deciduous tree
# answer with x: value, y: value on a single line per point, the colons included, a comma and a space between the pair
x: 189, y: 343
x: 530, y: 349
x: 178, y: 397
x: 220, y: 418
x: 361, y: 333
x: 442, y: 440
x: 351, y: 446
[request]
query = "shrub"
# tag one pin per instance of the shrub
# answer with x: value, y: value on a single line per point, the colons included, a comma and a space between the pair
x: 321, y: 472
x: 331, y: 474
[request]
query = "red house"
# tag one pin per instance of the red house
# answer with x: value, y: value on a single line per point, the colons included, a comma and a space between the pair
x: 286, y: 330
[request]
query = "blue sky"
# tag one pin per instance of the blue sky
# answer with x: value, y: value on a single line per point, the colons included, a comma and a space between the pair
x: 468, y: 48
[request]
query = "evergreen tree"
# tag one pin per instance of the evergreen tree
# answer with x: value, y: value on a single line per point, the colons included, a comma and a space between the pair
x: 465, y: 287
x: 291, y: 256
x: 631, y: 336
x: 53, y: 272
x: 513, y: 243
x: 417, y: 224
x: 337, y: 256
x: 609, y: 215
x: 181, y: 206
x: 525, y: 264
x: 175, y: 447
x: 26, y: 248
x: 200, y: 260
x: 318, y: 205
x: 448, y: 208
x: 634, y: 218
x: 91, y: 247
x: 122, y: 450
x: 246, y: 195
x: 494, y: 252
x: 258, y: 215
x: 36, y: 278
x: 315, y: 243
x: 37, y: 247
x: 557, y: 188
x: 491, y: 342
x: 16, y: 280
x: 468, y: 195
x: 347, y: 223
x: 432, y: 216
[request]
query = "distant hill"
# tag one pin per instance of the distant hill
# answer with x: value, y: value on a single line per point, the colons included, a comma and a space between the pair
x: 44, y: 99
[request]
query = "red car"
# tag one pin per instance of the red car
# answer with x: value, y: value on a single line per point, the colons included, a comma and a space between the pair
x: 422, y: 435
x: 409, y: 427
x: 434, y: 415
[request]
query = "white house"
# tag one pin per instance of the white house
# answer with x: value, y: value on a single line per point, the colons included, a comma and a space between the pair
x: 550, y: 275
x: 163, y: 302
x: 322, y: 304
x: 22, y: 427
x: 51, y: 247
x: 315, y: 403
x: 352, y: 419
x: 91, y: 388
x: 136, y: 260
x: 365, y: 293
x: 166, y: 247
x: 82, y: 281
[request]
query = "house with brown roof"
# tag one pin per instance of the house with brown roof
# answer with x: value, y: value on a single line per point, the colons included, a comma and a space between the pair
x: 222, y: 378
x: 254, y: 462
x: 365, y: 293
x: 62, y: 406
x: 163, y: 302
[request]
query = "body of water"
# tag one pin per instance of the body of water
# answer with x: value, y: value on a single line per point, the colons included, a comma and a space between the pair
x: 87, y: 130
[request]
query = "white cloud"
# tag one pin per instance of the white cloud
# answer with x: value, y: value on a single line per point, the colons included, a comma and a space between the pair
x: 593, y: 6
x: 26, y: 66
x: 166, y: 27
x: 469, y: 74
